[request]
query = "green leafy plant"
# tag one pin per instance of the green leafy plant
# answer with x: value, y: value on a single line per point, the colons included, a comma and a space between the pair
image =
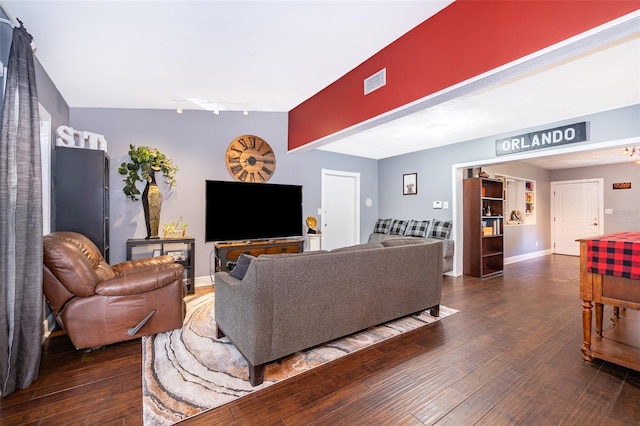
x: 144, y: 160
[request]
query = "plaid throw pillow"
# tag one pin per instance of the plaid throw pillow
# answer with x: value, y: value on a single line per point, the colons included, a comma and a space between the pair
x: 382, y: 226
x: 398, y: 227
x: 441, y: 229
x: 417, y: 228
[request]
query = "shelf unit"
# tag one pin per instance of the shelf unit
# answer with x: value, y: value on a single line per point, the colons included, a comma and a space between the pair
x: 81, y: 194
x: 529, y: 201
x: 483, y: 227
x: 141, y: 247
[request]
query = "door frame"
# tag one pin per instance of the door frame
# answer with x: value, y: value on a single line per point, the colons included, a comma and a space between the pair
x: 457, y: 175
x: 323, y: 197
x: 599, y: 181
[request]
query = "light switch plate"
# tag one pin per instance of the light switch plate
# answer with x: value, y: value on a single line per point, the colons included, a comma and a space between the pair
x: 445, y: 205
x: 608, y: 211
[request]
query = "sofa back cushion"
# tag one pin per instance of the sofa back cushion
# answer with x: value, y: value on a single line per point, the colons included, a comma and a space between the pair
x: 358, y: 247
x: 402, y: 242
x: 72, y: 267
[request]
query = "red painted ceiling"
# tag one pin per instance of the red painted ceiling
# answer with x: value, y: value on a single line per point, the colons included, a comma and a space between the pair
x: 466, y: 39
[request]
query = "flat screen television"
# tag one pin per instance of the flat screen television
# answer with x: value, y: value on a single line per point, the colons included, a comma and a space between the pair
x: 239, y: 211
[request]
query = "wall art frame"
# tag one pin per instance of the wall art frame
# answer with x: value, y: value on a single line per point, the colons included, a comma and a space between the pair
x: 410, y: 184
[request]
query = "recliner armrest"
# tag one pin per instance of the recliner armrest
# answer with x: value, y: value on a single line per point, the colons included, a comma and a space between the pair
x: 130, y: 265
x: 140, y: 280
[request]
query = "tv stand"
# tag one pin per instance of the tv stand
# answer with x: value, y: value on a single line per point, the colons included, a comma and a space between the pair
x: 227, y: 253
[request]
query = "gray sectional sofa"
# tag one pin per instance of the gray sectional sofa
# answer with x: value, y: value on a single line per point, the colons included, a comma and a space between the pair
x: 285, y: 303
x: 447, y: 246
x: 423, y: 230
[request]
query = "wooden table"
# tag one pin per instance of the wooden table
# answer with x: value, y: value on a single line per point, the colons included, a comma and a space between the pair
x: 227, y: 253
x: 619, y: 341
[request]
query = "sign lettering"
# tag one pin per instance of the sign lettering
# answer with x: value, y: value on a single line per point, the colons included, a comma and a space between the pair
x: 622, y: 185
x: 542, y: 139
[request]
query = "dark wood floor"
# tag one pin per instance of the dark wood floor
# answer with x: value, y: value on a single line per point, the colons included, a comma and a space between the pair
x: 511, y: 356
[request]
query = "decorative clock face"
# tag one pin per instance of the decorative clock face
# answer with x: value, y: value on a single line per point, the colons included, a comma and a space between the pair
x: 250, y: 159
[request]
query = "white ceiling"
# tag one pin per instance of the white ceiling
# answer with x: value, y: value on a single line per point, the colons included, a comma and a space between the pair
x: 272, y: 55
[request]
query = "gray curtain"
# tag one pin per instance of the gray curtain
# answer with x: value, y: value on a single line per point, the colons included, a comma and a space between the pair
x: 20, y: 222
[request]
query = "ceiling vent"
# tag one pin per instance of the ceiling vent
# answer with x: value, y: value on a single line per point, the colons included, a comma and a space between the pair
x: 376, y: 81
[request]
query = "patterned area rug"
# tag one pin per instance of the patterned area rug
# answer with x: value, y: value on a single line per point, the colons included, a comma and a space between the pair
x: 188, y: 371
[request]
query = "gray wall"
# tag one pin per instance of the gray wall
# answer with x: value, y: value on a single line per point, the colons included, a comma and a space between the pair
x: 196, y: 141
x: 436, y: 181
x: 625, y: 203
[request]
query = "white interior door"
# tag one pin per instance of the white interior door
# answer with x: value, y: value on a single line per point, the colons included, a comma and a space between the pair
x: 340, y: 209
x: 576, y: 211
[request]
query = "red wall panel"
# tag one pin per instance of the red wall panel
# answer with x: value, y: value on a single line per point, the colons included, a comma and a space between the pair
x: 466, y: 39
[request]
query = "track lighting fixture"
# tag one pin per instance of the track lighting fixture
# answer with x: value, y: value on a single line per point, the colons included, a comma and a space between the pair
x: 633, y: 152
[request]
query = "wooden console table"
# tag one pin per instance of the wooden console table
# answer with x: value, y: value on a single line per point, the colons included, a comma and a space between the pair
x: 228, y: 253
x: 619, y: 342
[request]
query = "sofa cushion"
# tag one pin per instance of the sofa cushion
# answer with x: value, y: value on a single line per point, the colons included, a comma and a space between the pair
x: 441, y: 229
x: 417, y: 228
x: 299, y: 254
x: 402, y: 241
x: 398, y: 227
x: 382, y: 226
x: 241, y: 266
x: 365, y: 246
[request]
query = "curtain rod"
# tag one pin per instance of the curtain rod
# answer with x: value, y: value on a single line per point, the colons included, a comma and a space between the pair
x: 12, y: 21
x: 6, y: 21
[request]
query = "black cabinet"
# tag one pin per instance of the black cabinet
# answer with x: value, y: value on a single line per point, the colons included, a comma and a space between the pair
x: 81, y: 194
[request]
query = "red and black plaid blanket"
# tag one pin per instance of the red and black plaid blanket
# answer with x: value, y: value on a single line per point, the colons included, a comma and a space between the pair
x: 615, y: 254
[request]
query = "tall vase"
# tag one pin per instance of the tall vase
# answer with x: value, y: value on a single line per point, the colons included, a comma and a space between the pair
x: 151, y: 204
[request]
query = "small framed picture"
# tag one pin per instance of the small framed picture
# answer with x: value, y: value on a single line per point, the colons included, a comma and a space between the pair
x: 177, y: 255
x: 157, y: 252
x: 410, y: 184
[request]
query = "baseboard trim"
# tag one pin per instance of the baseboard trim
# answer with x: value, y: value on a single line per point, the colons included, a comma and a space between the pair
x: 203, y: 281
x: 527, y: 256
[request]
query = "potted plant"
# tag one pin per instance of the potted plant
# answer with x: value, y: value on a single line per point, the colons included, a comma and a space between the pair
x: 176, y: 229
x: 142, y: 166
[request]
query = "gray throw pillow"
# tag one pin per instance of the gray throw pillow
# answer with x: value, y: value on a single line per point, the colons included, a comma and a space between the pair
x: 241, y: 266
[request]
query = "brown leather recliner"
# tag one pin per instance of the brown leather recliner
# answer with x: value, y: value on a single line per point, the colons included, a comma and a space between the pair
x: 97, y: 304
